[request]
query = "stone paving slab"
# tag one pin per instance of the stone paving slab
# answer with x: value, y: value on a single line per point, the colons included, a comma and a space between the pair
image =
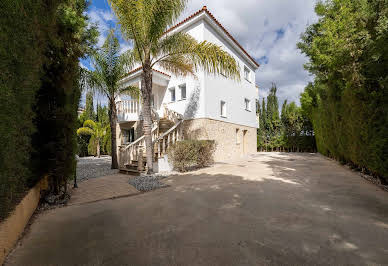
x: 106, y: 187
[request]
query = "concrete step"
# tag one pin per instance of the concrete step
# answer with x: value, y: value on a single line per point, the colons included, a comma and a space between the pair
x: 131, y: 166
x: 136, y: 162
x: 130, y: 171
x: 165, y: 124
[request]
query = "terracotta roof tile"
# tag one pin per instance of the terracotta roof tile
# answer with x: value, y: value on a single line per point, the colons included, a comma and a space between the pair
x: 161, y: 72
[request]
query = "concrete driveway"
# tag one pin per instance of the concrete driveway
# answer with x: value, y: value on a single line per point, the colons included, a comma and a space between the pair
x: 269, y: 209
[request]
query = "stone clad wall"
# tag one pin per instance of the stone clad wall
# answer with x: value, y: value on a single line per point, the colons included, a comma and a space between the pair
x: 229, y: 137
x: 231, y: 143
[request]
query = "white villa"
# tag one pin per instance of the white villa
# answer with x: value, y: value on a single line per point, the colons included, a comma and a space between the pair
x: 203, y: 107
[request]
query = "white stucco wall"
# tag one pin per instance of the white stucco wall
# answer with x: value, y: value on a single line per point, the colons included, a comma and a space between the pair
x: 194, y: 104
x: 204, y: 92
x: 233, y: 93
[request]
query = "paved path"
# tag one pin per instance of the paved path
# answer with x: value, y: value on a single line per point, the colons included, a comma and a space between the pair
x: 106, y: 187
x: 271, y: 209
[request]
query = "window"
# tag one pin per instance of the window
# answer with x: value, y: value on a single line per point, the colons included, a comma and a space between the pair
x: 172, y: 94
x: 247, y: 103
x: 132, y: 134
x: 223, y: 108
x: 247, y: 73
x: 183, y: 91
x: 237, y: 136
x: 128, y: 135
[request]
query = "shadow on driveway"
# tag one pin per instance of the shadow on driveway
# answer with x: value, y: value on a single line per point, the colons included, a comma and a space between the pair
x: 270, y: 209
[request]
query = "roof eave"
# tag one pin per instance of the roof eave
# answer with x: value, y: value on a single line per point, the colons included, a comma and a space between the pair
x: 137, y: 72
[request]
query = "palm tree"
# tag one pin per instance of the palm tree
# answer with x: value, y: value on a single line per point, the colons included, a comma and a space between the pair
x: 96, y: 130
x: 144, y: 23
x: 109, y: 68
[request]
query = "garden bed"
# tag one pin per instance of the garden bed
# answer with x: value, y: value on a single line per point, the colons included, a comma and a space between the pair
x: 146, y: 183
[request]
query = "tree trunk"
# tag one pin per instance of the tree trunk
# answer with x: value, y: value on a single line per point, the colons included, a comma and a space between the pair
x: 98, y: 149
x: 146, y: 90
x: 113, y: 121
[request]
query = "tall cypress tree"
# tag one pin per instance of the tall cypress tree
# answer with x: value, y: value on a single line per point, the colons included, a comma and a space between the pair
x: 263, y: 123
x: 58, y: 96
x: 89, y: 107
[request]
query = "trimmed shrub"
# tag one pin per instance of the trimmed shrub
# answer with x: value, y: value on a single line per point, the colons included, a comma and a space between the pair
x: 107, y: 143
x: 92, y: 147
x: 83, y: 145
x: 188, y: 154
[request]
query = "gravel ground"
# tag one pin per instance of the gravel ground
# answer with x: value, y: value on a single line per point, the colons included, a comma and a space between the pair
x: 146, y: 183
x: 91, y: 167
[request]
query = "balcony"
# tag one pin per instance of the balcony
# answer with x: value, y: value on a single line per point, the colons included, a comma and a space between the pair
x: 128, y: 110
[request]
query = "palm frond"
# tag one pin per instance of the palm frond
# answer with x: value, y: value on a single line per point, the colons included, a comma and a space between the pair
x: 173, y: 44
x: 132, y: 91
x: 177, y: 65
x: 145, y: 21
x: 213, y: 59
x: 128, y: 59
x: 163, y: 13
x: 134, y: 17
x: 205, y: 55
x: 109, y: 67
x: 83, y: 78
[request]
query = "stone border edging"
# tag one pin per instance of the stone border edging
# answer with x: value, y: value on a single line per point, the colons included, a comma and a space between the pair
x: 13, y: 226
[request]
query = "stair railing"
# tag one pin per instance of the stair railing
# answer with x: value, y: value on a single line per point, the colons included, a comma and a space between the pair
x: 171, y: 136
x: 171, y: 115
x: 160, y: 143
x: 167, y: 139
x: 131, y: 151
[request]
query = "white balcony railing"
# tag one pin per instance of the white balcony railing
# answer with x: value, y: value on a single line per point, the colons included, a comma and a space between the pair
x: 128, y: 110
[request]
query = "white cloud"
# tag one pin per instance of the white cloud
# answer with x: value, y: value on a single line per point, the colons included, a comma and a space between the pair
x: 106, y: 15
x: 124, y: 47
x: 105, y: 20
x: 96, y: 16
x: 269, y: 31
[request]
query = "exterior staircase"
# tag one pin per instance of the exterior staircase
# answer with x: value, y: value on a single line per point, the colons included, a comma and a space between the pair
x: 165, y: 132
x: 133, y: 168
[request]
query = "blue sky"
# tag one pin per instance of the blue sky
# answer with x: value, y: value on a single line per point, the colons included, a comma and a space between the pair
x: 268, y: 30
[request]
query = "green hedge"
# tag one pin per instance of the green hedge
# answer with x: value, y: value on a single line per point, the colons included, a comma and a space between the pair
x: 83, y: 142
x: 41, y: 42
x: 348, y: 100
x: 23, y: 24
x: 188, y: 154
